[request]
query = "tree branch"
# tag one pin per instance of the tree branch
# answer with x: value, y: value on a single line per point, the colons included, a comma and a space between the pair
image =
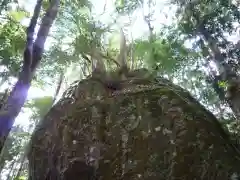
x: 60, y: 81
x: 43, y: 32
x: 27, y: 57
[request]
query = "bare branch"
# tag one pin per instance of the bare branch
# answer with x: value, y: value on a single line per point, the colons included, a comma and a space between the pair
x: 97, y: 62
x: 27, y: 59
x: 59, y: 85
x: 121, y: 59
x: 104, y: 8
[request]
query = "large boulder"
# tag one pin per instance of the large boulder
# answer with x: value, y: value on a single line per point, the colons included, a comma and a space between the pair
x: 142, y: 127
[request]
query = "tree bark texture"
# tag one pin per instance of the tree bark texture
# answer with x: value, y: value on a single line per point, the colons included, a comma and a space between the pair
x: 32, y: 57
x: 146, y: 129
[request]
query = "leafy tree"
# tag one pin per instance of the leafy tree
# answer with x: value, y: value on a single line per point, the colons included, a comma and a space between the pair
x: 13, y: 149
x: 4, y: 5
x: 208, y: 22
x: 12, y: 38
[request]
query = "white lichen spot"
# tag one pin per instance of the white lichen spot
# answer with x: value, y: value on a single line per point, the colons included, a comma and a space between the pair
x: 106, y: 161
x: 166, y: 131
x: 133, y: 124
x: 158, y: 128
x: 94, y: 153
x: 146, y: 101
x: 149, y: 131
x: 125, y: 137
x: 132, y: 117
x: 98, y: 97
x: 174, y: 154
x: 74, y: 142
x: 162, y: 100
x: 144, y: 134
x: 139, y: 175
x: 172, y: 141
x: 211, y: 147
x: 234, y: 176
x: 94, y: 111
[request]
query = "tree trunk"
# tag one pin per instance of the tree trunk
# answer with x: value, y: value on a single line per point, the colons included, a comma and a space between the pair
x: 148, y: 129
x: 32, y: 56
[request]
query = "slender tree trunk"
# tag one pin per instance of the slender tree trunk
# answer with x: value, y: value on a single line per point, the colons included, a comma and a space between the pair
x: 32, y: 56
x: 24, y: 155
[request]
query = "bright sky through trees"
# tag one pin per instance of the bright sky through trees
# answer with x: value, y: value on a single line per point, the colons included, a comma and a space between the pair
x: 103, y: 10
x: 138, y: 28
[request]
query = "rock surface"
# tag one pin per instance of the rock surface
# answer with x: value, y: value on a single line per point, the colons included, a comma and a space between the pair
x: 142, y: 128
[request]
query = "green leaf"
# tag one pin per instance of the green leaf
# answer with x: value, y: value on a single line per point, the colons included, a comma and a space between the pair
x: 20, y: 178
x: 222, y: 84
x: 40, y: 106
x: 18, y: 15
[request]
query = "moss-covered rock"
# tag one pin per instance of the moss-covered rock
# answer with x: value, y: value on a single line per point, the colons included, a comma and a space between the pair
x: 138, y: 128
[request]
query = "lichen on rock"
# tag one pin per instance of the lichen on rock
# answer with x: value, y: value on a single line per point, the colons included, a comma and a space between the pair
x: 146, y: 128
